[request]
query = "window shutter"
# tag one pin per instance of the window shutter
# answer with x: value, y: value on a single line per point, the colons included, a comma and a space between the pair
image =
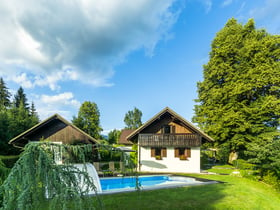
x: 188, y: 152
x: 153, y: 152
x: 176, y: 150
x: 163, y: 152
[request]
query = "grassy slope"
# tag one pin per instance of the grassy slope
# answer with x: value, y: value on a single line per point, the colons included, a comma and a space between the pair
x: 235, y: 193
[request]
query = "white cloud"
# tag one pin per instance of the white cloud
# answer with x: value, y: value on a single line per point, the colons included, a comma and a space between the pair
x: 207, y: 4
x: 63, y: 103
x: 268, y: 15
x: 227, y: 3
x: 84, y: 37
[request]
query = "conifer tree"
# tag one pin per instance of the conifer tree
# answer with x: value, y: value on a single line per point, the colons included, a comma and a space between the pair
x: 33, y: 115
x: 20, y: 97
x: 4, y: 95
x: 239, y: 97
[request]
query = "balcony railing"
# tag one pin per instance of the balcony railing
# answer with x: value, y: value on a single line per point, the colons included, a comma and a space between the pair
x: 174, y: 139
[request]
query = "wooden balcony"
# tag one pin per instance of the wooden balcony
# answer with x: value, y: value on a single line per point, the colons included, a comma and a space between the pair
x: 173, y: 139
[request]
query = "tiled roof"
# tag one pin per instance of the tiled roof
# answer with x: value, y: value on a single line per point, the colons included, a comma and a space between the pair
x: 124, y: 134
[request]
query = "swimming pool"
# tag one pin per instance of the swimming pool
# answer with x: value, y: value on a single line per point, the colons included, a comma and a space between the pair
x: 124, y: 184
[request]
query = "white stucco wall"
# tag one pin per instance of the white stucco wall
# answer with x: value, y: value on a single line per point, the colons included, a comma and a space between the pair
x: 169, y: 163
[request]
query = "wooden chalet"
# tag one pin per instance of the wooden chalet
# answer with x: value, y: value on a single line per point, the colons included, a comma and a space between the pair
x: 168, y: 143
x: 55, y: 129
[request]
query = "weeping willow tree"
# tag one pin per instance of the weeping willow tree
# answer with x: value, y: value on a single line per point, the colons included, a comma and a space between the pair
x: 36, y: 179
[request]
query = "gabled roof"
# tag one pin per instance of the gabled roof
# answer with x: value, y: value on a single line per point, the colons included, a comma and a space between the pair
x: 45, y: 123
x: 123, y: 136
x: 174, y: 115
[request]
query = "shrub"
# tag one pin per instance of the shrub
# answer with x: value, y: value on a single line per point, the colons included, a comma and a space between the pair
x: 243, y: 164
x: 271, y: 179
x: 250, y: 174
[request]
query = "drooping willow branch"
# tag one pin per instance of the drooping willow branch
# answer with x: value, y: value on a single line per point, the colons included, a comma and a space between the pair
x: 36, y: 177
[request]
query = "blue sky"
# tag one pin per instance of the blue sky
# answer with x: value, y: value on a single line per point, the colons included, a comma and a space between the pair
x: 119, y: 54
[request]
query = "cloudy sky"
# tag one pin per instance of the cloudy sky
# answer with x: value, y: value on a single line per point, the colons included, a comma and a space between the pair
x: 119, y: 54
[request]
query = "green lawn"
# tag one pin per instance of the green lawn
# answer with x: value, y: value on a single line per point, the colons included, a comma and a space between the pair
x: 234, y: 193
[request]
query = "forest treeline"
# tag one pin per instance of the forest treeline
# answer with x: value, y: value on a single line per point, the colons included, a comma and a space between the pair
x: 16, y: 116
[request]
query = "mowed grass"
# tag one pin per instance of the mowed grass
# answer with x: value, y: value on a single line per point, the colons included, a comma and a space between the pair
x: 234, y: 193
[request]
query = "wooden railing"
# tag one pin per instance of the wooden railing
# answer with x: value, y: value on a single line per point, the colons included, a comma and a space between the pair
x: 174, y: 139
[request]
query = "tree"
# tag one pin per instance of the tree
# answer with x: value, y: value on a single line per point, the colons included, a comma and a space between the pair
x: 4, y: 95
x: 88, y: 119
x: 33, y: 115
x: 132, y: 119
x: 240, y: 94
x: 114, y: 136
x: 19, y: 98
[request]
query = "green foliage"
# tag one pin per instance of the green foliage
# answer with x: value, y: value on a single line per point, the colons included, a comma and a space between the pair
x: 88, y: 119
x: 20, y: 99
x: 9, y: 161
x: 4, y: 95
x: 272, y: 179
x: 114, y: 136
x: 35, y: 176
x: 243, y: 164
x: 132, y: 119
x: 15, y: 117
x: 240, y: 94
x: 134, y: 155
x: 4, y: 171
x: 265, y: 156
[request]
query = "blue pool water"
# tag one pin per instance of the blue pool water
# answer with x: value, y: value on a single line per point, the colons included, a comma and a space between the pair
x: 145, y: 182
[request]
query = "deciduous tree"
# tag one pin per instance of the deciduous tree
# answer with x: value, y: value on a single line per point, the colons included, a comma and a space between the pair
x: 239, y: 97
x: 114, y: 136
x: 132, y: 118
x: 88, y: 119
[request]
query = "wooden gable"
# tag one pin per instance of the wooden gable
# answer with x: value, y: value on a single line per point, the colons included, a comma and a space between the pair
x: 167, y: 117
x: 55, y: 129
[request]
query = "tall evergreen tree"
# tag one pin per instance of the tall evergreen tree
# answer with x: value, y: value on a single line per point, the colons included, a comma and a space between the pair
x: 132, y: 118
x: 88, y: 119
x: 4, y: 95
x: 238, y: 100
x: 20, y: 97
x: 33, y: 115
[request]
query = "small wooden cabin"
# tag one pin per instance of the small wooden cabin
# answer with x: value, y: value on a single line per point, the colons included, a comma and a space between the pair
x: 55, y: 129
x: 168, y: 143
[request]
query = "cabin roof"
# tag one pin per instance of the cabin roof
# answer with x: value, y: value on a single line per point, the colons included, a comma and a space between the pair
x: 45, y: 123
x: 123, y: 136
x: 175, y: 116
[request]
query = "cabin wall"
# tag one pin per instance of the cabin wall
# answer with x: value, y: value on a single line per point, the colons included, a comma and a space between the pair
x: 68, y: 135
x: 170, y: 163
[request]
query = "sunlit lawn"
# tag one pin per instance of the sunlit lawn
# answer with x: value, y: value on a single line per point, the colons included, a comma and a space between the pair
x: 235, y: 193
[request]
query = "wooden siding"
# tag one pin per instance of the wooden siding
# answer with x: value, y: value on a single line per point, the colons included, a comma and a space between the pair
x: 175, y: 140
x: 69, y: 135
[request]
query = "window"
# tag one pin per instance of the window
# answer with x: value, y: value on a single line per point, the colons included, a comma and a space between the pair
x: 166, y: 129
x: 158, y: 152
x: 183, y: 153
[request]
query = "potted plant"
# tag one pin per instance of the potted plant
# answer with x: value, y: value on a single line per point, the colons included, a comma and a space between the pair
x: 158, y: 157
x: 183, y: 157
